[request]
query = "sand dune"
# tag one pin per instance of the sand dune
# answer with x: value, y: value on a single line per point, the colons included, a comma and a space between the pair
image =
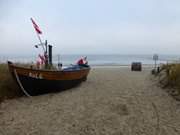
x: 113, y: 101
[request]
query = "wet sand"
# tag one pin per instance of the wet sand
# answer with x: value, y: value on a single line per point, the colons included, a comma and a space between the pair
x: 113, y: 101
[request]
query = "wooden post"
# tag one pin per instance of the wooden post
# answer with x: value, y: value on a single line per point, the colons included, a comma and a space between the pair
x: 155, y: 58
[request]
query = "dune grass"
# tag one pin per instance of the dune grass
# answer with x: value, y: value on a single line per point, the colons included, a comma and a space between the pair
x: 169, y: 76
x: 8, y: 87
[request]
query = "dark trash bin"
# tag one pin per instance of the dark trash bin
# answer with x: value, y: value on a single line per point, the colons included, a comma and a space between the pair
x: 136, y: 66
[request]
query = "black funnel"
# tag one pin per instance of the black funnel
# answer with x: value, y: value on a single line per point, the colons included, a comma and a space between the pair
x: 50, y: 54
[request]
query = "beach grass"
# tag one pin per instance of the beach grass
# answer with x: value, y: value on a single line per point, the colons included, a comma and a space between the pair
x: 170, y: 76
x: 8, y: 87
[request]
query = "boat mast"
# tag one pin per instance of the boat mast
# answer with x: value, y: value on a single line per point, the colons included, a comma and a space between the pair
x: 43, y: 45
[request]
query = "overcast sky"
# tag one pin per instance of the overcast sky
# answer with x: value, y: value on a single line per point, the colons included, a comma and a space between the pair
x: 91, y: 26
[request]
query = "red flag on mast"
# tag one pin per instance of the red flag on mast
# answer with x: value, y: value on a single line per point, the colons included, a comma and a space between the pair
x: 36, y: 27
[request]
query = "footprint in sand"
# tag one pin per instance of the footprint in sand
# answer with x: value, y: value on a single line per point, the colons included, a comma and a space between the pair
x: 120, y: 109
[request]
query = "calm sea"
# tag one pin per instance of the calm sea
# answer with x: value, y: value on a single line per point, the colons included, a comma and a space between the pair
x: 97, y: 60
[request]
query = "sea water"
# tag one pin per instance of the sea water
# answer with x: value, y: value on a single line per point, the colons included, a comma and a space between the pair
x: 97, y: 60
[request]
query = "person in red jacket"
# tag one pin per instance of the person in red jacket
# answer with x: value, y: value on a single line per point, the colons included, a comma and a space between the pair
x: 82, y: 61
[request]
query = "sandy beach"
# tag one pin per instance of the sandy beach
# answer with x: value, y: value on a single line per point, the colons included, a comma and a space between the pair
x: 113, y: 101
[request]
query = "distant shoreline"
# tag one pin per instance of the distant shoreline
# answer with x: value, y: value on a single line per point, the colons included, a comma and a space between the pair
x: 103, y: 65
x: 98, y: 60
x: 121, y: 66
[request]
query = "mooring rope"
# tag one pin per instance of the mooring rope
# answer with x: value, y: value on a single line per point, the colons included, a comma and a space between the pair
x: 20, y: 84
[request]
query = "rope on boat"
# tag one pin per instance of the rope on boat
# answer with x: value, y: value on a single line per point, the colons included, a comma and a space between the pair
x: 20, y: 84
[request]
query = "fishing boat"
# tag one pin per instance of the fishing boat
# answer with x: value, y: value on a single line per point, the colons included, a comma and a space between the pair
x: 34, y: 81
